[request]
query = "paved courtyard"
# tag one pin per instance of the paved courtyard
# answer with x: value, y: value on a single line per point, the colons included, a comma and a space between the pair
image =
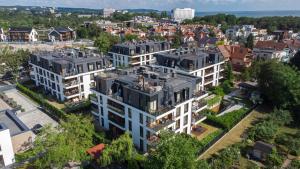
x: 32, y: 114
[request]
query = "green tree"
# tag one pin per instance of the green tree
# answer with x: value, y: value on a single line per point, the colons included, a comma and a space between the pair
x: 265, y: 131
x: 105, y: 41
x: 229, y: 73
x: 246, y: 75
x: 12, y: 61
x: 177, y: 40
x: 227, y: 158
x: 119, y: 151
x: 202, y: 164
x: 250, y: 41
x: 295, y: 164
x: 279, y: 84
x: 164, y: 14
x: 55, y: 147
x: 281, y: 117
x: 173, y: 151
x: 274, y: 160
x: 131, y: 37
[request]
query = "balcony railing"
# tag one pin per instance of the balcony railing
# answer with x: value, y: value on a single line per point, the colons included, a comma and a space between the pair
x: 197, y: 105
x: 120, y: 111
x: 72, y: 92
x: 94, y: 98
x: 71, y: 83
x: 162, y: 124
x: 196, y: 118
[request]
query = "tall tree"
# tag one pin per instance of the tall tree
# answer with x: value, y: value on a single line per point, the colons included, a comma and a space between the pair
x: 173, y: 151
x: 12, y: 60
x: 250, y: 41
x: 105, y: 41
x: 55, y: 147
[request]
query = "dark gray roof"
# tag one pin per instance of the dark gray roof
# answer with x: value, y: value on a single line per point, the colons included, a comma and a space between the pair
x: 62, y: 29
x: 20, y: 29
x: 8, y: 120
x: 264, y: 147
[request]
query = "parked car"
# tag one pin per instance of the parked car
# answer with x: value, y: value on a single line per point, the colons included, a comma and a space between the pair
x: 37, y: 128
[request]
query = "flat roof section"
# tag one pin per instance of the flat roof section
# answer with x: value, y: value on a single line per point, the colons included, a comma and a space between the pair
x: 8, y: 120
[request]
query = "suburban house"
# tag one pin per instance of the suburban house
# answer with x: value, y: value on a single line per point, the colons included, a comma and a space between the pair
x: 2, y: 35
x: 22, y: 35
x: 61, y: 34
x: 205, y: 63
x: 68, y: 75
x: 15, y: 137
x: 137, y: 53
x: 145, y: 100
x: 240, y: 57
x: 271, y: 50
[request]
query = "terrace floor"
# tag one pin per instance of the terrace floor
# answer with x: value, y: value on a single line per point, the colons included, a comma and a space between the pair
x: 209, y: 129
x: 235, y: 135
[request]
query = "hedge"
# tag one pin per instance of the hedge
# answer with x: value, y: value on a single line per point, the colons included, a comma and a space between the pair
x: 214, y: 101
x: 228, y: 120
x: 51, y: 110
x: 83, y: 106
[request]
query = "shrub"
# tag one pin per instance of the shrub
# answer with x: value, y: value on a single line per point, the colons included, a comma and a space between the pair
x: 265, y: 131
x: 214, y: 101
x: 228, y: 120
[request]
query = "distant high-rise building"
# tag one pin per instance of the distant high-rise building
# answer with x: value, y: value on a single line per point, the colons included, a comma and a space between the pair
x: 107, y: 12
x: 180, y: 14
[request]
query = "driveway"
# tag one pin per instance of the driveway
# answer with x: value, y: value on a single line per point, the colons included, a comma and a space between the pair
x: 32, y: 114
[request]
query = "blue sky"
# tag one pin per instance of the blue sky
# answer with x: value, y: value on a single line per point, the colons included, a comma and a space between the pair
x: 199, y: 5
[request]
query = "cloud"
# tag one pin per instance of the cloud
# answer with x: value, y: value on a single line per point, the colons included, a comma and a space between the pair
x: 200, y: 5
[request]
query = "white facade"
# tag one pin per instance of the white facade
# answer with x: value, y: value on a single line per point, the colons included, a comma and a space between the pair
x: 121, y: 60
x: 211, y: 75
x: 58, y: 85
x: 7, y: 156
x: 107, y: 12
x: 136, y: 120
x: 268, y: 54
x: 180, y: 14
x: 33, y: 36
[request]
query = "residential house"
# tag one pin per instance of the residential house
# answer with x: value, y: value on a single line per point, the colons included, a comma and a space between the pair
x: 22, y: 35
x: 271, y: 50
x: 137, y: 53
x: 145, y: 100
x: 240, y: 57
x: 68, y: 74
x: 61, y: 34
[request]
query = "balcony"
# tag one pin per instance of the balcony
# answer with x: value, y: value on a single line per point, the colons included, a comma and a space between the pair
x: 198, y: 106
x: 94, y: 98
x: 71, y: 93
x: 95, y: 110
x: 197, y: 118
x: 209, y: 71
x: 69, y: 84
x: 161, y: 124
x: 200, y: 94
x: 153, y: 140
x: 160, y: 111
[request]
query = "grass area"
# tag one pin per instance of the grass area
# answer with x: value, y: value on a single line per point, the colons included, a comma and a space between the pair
x: 56, y: 104
x: 209, y: 129
x: 235, y: 135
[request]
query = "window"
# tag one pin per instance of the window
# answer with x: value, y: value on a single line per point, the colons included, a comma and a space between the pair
x: 185, y: 120
x: 101, y: 110
x: 153, y: 105
x: 141, y: 132
x: 101, y: 101
x: 185, y: 130
x: 129, y: 112
x: 178, y: 111
x: 129, y: 125
x: 186, y: 108
x: 102, y: 122
x: 148, y: 134
x: 91, y: 67
x: 82, y: 88
x: 142, y: 145
x: 79, y: 68
x: 177, y: 124
x: 141, y: 118
x: 81, y: 79
x: 58, y: 89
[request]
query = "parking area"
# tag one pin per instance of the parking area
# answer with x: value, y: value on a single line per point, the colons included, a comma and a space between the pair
x: 32, y: 115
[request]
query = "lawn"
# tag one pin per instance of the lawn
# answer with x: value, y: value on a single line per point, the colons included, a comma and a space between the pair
x: 235, y: 135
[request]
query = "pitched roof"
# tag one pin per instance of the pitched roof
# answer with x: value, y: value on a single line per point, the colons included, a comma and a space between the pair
x: 239, y: 52
x: 62, y: 29
x: 96, y: 150
x: 271, y: 45
x: 225, y: 50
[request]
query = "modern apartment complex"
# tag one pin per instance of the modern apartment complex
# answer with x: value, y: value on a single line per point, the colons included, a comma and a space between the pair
x: 107, y: 12
x: 68, y: 74
x: 205, y: 63
x: 180, y: 14
x: 145, y: 100
x: 137, y: 53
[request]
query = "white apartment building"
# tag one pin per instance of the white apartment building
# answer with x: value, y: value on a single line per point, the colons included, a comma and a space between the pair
x: 145, y: 100
x: 137, y: 53
x: 180, y: 14
x: 107, y: 12
x: 7, y: 155
x: 69, y: 74
x: 205, y: 63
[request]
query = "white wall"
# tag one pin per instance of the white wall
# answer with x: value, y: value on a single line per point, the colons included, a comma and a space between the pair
x: 6, y: 148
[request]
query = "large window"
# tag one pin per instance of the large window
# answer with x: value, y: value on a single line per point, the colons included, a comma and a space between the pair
x: 141, y: 132
x: 178, y: 109
x: 186, y: 108
x: 141, y: 118
x: 91, y: 66
x: 185, y: 120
